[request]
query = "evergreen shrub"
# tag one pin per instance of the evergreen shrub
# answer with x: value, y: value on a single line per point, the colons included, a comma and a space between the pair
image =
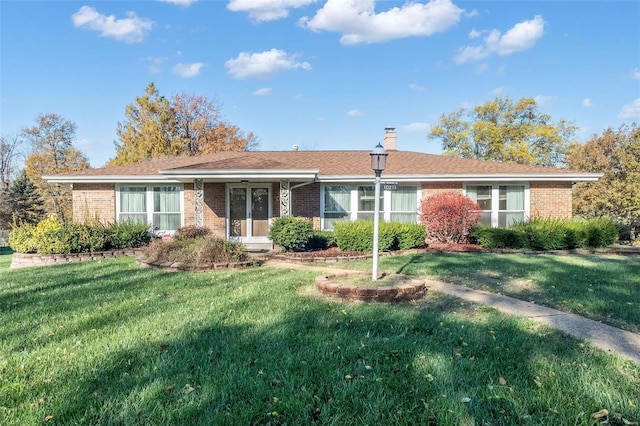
x: 291, y: 233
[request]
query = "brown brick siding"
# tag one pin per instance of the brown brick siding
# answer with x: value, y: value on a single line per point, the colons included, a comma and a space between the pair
x: 94, y: 201
x: 433, y: 188
x: 189, y: 207
x: 214, y: 208
x: 305, y: 202
x: 551, y: 199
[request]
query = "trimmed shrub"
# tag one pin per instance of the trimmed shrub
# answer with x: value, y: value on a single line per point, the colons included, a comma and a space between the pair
x: 499, y: 237
x: 358, y: 236
x: 321, y: 240
x: 410, y: 235
x: 449, y: 217
x: 291, y: 233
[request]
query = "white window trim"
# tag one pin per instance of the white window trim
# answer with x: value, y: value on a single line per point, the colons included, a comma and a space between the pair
x: 495, y: 198
x: 149, y: 201
x: 353, y: 215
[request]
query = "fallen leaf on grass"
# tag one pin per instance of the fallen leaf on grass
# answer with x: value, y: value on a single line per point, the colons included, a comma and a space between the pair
x: 502, y: 381
x: 466, y: 399
x: 46, y: 419
x: 600, y: 414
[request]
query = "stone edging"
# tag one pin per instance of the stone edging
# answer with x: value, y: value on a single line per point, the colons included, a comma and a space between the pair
x: 24, y: 260
x: 415, y: 290
x: 178, y: 266
x: 336, y: 259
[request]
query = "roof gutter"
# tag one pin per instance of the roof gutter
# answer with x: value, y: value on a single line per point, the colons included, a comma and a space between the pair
x: 504, y: 177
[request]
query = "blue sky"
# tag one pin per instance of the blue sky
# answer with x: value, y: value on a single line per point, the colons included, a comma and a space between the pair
x: 320, y: 74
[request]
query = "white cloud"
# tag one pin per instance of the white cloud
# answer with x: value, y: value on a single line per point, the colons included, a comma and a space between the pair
x: 359, y: 23
x: 187, y: 70
x: 179, y: 2
x: 636, y: 74
x: 417, y: 87
x: 543, y: 100
x: 498, y: 91
x: 354, y: 113
x: 631, y: 110
x: 482, y: 67
x: 522, y: 36
x: 131, y: 29
x: 587, y: 102
x: 475, y: 34
x: 265, y: 91
x: 155, y: 63
x: 417, y: 127
x: 266, y: 10
x: 264, y: 64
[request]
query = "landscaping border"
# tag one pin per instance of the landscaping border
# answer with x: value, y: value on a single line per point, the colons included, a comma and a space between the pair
x: 415, y: 290
x: 25, y: 260
x: 179, y: 266
x: 335, y: 259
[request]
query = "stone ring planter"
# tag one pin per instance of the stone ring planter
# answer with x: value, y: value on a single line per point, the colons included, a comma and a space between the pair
x: 329, y: 285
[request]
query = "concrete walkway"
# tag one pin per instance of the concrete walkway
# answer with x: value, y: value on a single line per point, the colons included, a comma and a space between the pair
x: 611, y: 339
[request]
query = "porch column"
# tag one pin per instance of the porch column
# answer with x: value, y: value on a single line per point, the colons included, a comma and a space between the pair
x: 198, y: 202
x: 285, y: 198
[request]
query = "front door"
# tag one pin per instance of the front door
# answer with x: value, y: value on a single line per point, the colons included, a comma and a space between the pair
x: 249, y: 213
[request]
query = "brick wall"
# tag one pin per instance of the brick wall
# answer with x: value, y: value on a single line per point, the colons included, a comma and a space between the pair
x: 94, y: 201
x: 305, y: 202
x: 551, y: 199
x: 189, y: 206
x: 214, y: 208
x: 433, y: 188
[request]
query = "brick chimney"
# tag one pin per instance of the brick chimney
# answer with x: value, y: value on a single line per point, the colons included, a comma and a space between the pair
x: 390, y: 138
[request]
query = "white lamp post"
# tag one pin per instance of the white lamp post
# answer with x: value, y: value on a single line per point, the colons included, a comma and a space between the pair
x: 378, y: 164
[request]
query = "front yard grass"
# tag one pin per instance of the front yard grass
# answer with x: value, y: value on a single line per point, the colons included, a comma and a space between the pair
x: 601, y: 287
x: 107, y: 342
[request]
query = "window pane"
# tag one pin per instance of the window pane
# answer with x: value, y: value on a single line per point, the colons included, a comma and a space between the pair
x: 331, y: 218
x: 166, y: 199
x: 506, y: 220
x: 404, y: 199
x: 485, y: 219
x: 337, y: 199
x: 512, y: 197
x: 133, y: 199
x: 481, y: 195
x: 404, y: 217
x: 133, y: 218
x: 166, y: 221
x: 366, y: 199
x: 370, y: 215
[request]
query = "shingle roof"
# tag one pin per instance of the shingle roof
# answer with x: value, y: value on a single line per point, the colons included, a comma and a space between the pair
x: 328, y: 163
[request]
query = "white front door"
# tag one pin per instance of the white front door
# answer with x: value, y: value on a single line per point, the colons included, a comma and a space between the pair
x: 249, y: 212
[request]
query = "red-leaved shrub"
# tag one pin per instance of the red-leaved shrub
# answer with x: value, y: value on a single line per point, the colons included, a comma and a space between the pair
x: 449, y: 217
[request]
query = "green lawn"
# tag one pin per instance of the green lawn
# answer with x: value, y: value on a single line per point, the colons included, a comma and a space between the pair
x: 111, y: 343
x: 604, y: 288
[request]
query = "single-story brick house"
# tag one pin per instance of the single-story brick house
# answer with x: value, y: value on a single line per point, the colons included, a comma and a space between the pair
x: 238, y: 194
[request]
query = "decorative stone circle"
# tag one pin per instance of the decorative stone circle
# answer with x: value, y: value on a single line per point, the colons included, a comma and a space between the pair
x: 178, y: 266
x: 329, y: 285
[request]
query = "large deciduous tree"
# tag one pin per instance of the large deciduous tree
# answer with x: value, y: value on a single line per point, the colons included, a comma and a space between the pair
x: 9, y: 154
x: 52, y: 152
x: 186, y: 124
x: 501, y: 130
x: 616, y: 154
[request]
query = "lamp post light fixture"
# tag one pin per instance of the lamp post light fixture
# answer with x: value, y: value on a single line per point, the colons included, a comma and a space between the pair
x: 378, y: 164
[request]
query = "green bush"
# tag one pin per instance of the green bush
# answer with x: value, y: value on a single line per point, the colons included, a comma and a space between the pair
x: 499, y: 237
x: 291, y: 233
x: 410, y: 235
x: 321, y: 240
x: 545, y: 234
x: 127, y: 235
x: 599, y: 232
x: 50, y: 236
x: 358, y: 236
x: 21, y: 239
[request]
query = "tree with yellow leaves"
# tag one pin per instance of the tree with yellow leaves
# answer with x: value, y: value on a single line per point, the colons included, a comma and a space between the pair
x: 186, y: 124
x: 616, y: 154
x: 501, y: 130
x: 52, y: 152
